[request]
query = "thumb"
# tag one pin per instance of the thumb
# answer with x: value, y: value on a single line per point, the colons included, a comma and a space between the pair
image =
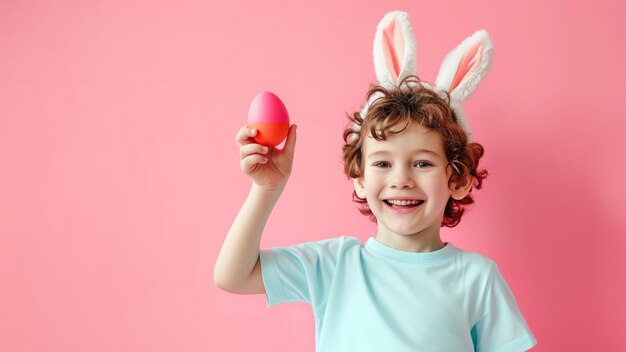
x: 290, y: 144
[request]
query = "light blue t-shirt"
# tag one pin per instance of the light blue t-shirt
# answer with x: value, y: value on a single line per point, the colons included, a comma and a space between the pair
x: 376, y: 298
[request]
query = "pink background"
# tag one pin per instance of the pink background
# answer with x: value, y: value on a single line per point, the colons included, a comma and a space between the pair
x: 119, y: 175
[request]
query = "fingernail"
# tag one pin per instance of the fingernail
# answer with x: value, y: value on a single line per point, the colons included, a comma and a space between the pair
x: 265, y: 149
x: 253, y: 130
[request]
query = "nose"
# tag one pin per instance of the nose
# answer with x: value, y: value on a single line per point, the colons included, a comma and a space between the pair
x: 401, y: 177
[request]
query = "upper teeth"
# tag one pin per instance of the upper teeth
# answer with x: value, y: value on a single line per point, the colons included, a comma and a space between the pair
x: 403, y: 202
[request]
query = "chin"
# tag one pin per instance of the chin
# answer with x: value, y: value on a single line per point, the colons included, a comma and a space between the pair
x: 415, y: 230
x: 407, y: 232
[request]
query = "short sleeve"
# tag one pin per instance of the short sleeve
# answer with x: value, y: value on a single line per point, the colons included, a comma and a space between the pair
x: 301, y: 272
x: 501, y: 328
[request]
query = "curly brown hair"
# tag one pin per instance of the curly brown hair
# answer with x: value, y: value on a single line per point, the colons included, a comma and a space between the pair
x: 411, y: 101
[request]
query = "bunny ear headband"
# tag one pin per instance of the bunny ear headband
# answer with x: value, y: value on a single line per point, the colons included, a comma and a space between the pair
x: 460, y: 72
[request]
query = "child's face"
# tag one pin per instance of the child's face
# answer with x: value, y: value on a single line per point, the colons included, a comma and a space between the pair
x: 395, y: 169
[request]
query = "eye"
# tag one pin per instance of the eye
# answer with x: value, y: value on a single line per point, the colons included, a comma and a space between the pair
x: 422, y: 163
x: 381, y: 164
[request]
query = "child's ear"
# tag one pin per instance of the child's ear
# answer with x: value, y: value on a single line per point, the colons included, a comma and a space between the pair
x: 462, y: 188
x: 359, y: 187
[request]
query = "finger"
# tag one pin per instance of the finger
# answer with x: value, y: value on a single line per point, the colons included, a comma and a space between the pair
x: 252, y: 148
x: 245, y: 134
x: 248, y: 163
x: 290, y: 144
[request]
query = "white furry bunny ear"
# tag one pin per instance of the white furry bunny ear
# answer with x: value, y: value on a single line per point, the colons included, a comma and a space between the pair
x: 461, y: 70
x: 465, y: 66
x: 394, y: 49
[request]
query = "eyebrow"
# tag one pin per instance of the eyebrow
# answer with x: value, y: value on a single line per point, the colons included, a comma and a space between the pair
x: 415, y: 151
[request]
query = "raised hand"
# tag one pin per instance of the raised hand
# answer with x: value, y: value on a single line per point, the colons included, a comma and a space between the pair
x: 268, y: 168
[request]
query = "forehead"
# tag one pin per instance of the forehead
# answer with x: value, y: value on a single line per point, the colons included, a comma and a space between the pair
x: 413, y: 138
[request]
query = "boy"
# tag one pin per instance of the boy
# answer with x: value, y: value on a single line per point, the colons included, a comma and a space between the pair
x: 413, y: 166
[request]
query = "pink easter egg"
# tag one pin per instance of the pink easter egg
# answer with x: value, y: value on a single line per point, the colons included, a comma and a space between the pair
x: 269, y: 116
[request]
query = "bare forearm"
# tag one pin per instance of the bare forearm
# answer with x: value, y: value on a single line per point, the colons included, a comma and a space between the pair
x: 236, y: 268
x: 241, y: 246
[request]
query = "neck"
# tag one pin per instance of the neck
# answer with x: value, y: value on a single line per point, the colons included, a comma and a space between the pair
x: 420, y: 242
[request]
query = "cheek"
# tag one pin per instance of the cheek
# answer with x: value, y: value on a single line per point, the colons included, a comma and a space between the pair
x: 443, y: 192
x: 373, y: 181
x: 372, y: 189
x: 438, y: 187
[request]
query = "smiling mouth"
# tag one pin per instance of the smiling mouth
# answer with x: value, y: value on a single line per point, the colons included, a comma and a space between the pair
x: 403, y: 203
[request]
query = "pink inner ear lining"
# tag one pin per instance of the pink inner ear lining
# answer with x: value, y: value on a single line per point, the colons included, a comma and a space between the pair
x: 468, y: 64
x: 393, y: 45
